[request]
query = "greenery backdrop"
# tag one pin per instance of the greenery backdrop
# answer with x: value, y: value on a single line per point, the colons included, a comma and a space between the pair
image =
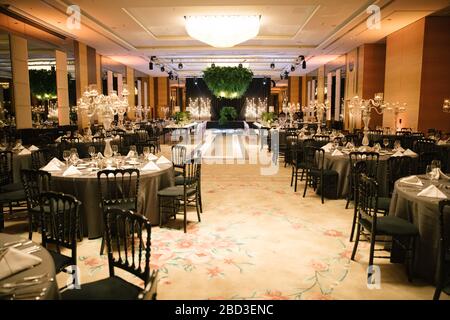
x: 228, y: 82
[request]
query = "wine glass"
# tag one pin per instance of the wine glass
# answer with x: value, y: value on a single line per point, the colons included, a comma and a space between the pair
x: 91, y: 151
x: 429, y: 172
x: 115, y: 149
x: 396, y: 144
x: 66, y: 156
x: 146, y: 152
x: 386, y: 143
x: 133, y: 148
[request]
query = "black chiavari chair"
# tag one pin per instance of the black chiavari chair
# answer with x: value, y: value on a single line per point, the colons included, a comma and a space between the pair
x: 128, y: 242
x: 444, y: 248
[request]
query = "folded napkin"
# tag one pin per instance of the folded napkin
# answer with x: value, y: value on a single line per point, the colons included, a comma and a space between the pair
x: 51, y: 167
x: 100, y: 156
x: 438, y: 174
x: 400, y: 149
x: 18, y: 147
x: 349, y: 145
x: 58, y: 139
x: 25, y: 151
x: 409, y: 152
x: 337, y: 153
x: 150, y: 166
x: 15, y: 261
x: 57, y: 162
x: 397, y: 154
x: 71, y: 171
x: 327, y: 147
x: 432, y: 192
x: 412, y: 180
x: 152, y: 157
x: 441, y: 142
x: 163, y: 160
x: 33, y: 148
x: 130, y: 154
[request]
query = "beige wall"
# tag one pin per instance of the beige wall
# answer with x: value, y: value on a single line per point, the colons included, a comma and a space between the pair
x: 21, y: 82
x: 404, y: 53
x: 162, y: 93
x: 321, y: 84
x: 81, y: 75
x: 294, y: 89
x: 62, y: 88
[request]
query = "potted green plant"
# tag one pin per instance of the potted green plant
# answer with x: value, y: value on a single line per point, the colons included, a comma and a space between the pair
x: 182, y: 117
x: 267, y: 118
x: 227, y: 114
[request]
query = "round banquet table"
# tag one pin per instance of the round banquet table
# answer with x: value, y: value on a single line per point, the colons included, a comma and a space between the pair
x: 424, y: 212
x: 341, y: 164
x: 46, y: 266
x: 84, y: 187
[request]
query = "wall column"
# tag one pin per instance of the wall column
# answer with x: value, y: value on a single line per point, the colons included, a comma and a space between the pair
x: 62, y: 88
x: 294, y: 89
x: 21, y: 82
x: 81, y: 76
x: 130, y: 87
x: 321, y: 84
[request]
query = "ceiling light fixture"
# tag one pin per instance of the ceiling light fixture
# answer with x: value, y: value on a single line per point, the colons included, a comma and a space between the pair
x: 292, y: 68
x: 223, y: 31
x: 180, y: 66
x: 272, y: 66
x: 304, y: 64
x: 163, y: 69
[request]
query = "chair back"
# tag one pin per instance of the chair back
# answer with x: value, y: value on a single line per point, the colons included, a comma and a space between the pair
x: 314, y: 158
x: 425, y: 158
x: 178, y: 155
x: 128, y: 242
x: 6, y: 168
x: 59, y: 220
x: 191, y: 171
x: 398, y: 167
x: 367, y: 204
x: 424, y: 145
x: 118, y: 187
x: 41, y: 157
x: 370, y: 158
x: 35, y: 182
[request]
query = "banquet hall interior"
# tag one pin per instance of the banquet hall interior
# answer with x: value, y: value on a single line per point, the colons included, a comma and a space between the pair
x: 231, y: 150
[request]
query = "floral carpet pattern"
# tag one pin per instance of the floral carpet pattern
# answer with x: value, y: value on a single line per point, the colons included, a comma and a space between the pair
x: 243, y: 249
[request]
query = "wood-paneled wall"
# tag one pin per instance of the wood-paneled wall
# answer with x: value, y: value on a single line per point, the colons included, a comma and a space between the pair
x: 404, y: 54
x: 62, y: 88
x: 435, y: 81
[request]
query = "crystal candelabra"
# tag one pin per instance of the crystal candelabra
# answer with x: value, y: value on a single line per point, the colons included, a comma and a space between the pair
x: 106, y: 107
x: 320, y: 108
x: 364, y: 108
x: 200, y: 108
x: 290, y: 109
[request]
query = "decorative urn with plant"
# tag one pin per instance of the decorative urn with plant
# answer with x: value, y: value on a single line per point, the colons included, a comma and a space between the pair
x: 182, y: 117
x: 228, y: 82
x: 227, y: 114
x: 267, y: 118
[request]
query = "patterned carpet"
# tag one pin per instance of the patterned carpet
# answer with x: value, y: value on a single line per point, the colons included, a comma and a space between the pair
x: 259, y: 240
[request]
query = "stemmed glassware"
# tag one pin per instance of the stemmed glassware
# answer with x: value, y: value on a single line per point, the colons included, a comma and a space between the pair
x: 91, y: 151
x: 115, y: 149
x: 146, y: 152
x: 66, y: 156
x: 386, y: 143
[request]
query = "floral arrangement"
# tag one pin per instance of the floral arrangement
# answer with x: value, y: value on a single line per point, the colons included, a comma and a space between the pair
x: 227, y: 114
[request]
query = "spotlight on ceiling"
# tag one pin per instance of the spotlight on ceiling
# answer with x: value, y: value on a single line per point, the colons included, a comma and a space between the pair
x: 264, y: 81
x: 195, y: 81
x: 301, y: 58
x: 286, y: 75
x: 150, y: 65
x: 213, y: 65
x: 272, y: 66
x: 292, y: 68
x: 304, y: 64
x: 274, y: 84
x: 176, y: 77
x: 240, y: 65
x: 153, y: 58
x: 170, y: 75
x: 180, y: 66
x: 163, y: 69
